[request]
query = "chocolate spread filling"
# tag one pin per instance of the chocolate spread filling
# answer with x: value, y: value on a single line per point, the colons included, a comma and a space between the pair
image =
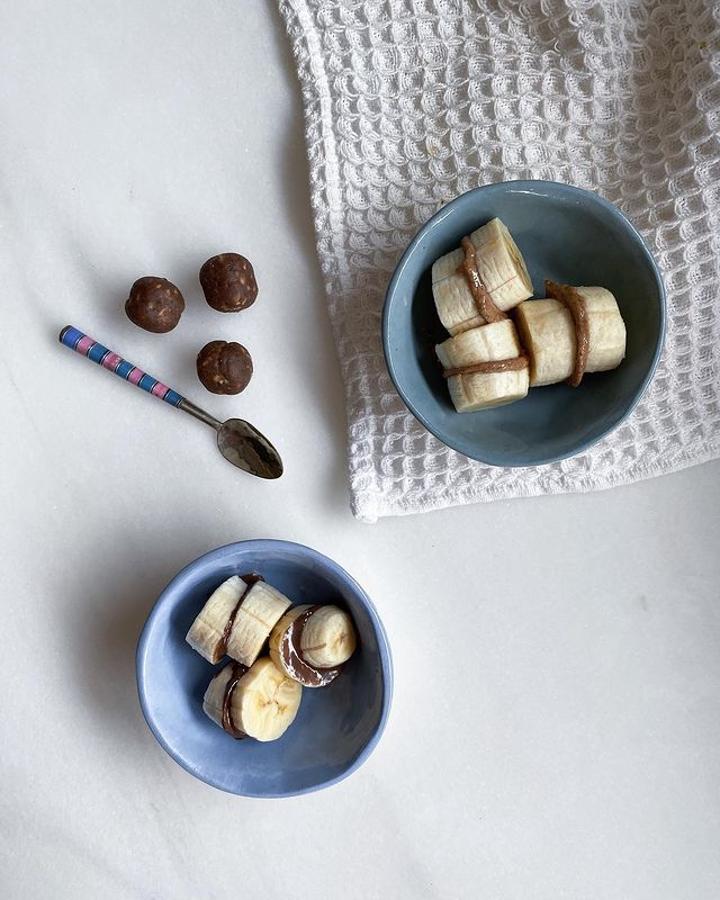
x: 571, y: 299
x: 483, y: 300
x: 302, y: 671
x: 484, y: 368
x: 250, y: 581
x: 238, y: 670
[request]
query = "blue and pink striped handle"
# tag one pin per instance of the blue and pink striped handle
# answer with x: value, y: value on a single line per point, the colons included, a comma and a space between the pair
x: 86, y: 346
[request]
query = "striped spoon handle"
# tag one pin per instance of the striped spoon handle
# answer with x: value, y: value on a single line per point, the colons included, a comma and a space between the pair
x: 86, y: 346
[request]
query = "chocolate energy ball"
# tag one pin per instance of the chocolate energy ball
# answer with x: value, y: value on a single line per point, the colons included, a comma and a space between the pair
x: 154, y: 304
x: 228, y: 282
x: 224, y: 367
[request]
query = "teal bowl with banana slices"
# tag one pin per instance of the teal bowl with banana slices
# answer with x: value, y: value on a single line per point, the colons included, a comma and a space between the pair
x: 264, y: 670
x: 524, y: 322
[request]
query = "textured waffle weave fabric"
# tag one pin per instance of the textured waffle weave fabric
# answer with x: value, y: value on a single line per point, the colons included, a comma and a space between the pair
x: 411, y: 102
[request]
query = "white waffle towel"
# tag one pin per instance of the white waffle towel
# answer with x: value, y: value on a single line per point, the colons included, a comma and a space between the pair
x: 411, y: 102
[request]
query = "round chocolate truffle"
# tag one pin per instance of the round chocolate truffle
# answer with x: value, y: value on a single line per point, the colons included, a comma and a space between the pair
x: 228, y: 282
x: 224, y: 367
x: 154, y: 304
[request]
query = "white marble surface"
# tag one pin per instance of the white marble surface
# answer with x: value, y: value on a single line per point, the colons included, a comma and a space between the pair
x: 556, y: 722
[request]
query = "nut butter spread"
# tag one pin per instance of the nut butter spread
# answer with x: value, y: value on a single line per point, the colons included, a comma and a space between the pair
x: 311, y: 676
x: 238, y: 670
x: 573, y: 301
x: 515, y: 364
x: 483, y: 300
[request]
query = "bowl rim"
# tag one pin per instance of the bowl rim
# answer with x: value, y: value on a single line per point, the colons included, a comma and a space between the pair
x: 263, y: 545
x: 522, y: 186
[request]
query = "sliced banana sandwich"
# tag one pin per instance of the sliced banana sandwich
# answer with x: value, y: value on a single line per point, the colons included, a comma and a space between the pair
x: 260, y: 702
x: 479, y: 281
x: 575, y: 330
x: 484, y: 367
x: 311, y: 644
x: 237, y: 619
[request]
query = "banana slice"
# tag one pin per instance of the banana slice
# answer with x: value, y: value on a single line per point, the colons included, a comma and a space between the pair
x: 311, y: 644
x: 502, y: 271
x: 207, y: 633
x: 237, y: 619
x: 220, y: 702
x: 259, y: 612
x: 496, y: 343
x: 547, y: 331
x: 260, y: 702
x: 328, y: 638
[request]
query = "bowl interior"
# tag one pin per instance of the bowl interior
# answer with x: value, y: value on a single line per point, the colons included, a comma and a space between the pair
x: 336, y: 727
x: 568, y: 235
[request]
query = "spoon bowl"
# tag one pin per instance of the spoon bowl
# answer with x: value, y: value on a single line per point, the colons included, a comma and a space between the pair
x: 245, y: 447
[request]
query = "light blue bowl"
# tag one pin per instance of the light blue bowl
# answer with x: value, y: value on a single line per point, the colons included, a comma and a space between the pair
x: 568, y: 235
x: 336, y: 727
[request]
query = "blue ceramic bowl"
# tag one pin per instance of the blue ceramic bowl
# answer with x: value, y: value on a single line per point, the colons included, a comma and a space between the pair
x: 336, y: 727
x: 566, y: 234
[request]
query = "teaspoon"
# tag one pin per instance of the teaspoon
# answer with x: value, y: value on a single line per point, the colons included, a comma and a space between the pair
x: 238, y: 441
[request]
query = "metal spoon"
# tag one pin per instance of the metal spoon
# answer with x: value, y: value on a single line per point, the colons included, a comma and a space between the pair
x: 238, y: 441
